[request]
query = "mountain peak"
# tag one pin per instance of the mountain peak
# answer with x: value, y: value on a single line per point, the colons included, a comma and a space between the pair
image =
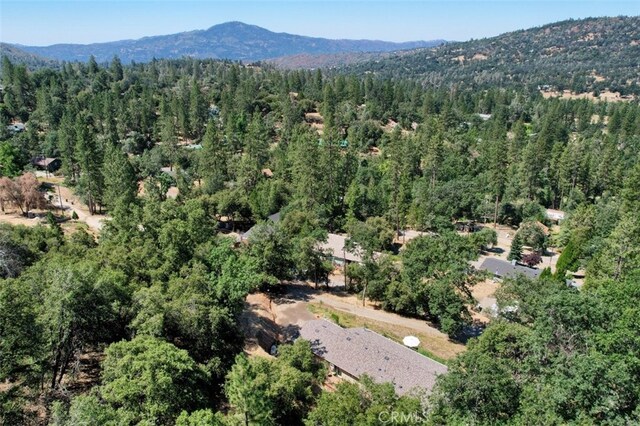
x: 236, y: 28
x: 230, y: 40
x: 233, y: 25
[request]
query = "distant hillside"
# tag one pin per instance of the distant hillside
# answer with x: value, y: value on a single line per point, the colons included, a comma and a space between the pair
x: 327, y: 60
x: 31, y: 60
x: 578, y: 55
x: 232, y: 40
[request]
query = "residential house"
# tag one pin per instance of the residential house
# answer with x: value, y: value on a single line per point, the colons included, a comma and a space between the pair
x: 503, y: 269
x: 272, y: 219
x: 336, y: 247
x: 354, y: 352
x: 47, y: 163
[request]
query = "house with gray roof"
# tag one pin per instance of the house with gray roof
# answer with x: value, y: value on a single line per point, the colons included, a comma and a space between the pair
x: 336, y: 247
x: 355, y: 352
x: 503, y: 269
x: 271, y: 219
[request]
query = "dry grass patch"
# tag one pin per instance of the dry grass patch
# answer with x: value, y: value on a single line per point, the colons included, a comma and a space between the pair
x: 440, y: 349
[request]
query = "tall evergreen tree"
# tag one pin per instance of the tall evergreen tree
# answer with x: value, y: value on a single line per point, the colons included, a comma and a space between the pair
x: 90, y: 158
x: 120, y: 186
x: 516, y: 248
x: 247, y: 396
x: 213, y: 159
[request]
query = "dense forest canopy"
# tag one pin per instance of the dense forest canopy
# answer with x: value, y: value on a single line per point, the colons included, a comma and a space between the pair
x: 158, y: 294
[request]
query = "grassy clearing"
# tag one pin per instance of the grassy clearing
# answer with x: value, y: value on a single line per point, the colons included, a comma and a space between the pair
x: 428, y: 347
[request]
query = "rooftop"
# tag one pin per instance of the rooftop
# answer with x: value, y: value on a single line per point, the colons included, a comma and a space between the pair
x: 410, y: 234
x: 335, y: 245
x: 358, y: 351
x: 43, y: 161
x: 502, y: 268
x: 274, y: 218
x: 554, y: 214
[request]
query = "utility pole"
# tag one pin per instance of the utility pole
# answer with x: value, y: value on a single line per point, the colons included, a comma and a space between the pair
x: 344, y: 259
x: 60, y: 197
x: 364, y: 294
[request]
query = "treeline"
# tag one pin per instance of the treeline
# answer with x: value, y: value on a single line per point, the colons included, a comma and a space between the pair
x: 161, y: 293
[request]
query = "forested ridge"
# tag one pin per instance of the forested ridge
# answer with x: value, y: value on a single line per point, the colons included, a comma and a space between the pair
x: 588, y: 55
x: 18, y: 56
x: 158, y: 293
x: 229, y: 40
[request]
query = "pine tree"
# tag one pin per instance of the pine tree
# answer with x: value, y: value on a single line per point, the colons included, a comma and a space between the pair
x: 90, y: 161
x: 516, y: 248
x: 116, y: 69
x: 170, y: 147
x: 568, y: 259
x: 620, y: 255
x: 197, y: 111
x: 181, y: 108
x: 497, y: 172
x: 631, y: 191
x: 257, y: 143
x: 213, y: 159
x: 246, y: 395
x: 119, y: 178
x: 92, y: 65
x: 67, y: 145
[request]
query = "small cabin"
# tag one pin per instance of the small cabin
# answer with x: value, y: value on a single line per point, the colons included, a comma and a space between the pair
x: 47, y: 163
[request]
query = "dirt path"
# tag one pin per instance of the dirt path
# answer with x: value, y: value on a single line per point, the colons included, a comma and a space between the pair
x: 354, y: 306
x: 291, y: 311
x: 15, y: 217
x: 72, y: 203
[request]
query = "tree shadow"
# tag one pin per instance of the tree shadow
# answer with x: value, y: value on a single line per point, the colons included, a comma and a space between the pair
x: 258, y: 330
x: 289, y: 333
x: 470, y: 331
x: 292, y: 293
x: 495, y: 250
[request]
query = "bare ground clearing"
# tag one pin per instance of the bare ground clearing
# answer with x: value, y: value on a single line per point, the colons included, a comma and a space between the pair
x: 301, y: 303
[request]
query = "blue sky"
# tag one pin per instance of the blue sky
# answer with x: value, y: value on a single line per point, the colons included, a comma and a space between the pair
x: 43, y: 22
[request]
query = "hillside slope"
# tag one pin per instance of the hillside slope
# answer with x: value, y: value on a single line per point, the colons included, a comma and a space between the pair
x: 231, y: 40
x: 326, y: 60
x: 583, y: 55
x: 19, y: 56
